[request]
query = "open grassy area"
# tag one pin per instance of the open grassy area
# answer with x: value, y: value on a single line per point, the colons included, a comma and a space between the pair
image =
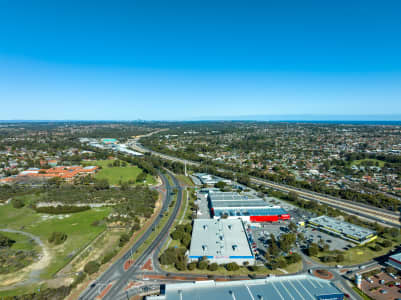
x: 185, y: 180
x: 77, y: 226
x: 371, y: 161
x: 359, y: 254
x: 116, y: 174
x: 22, y: 290
x: 22, y: 242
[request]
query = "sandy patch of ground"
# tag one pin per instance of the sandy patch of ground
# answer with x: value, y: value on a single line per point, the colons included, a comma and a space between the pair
x: 28, y: 274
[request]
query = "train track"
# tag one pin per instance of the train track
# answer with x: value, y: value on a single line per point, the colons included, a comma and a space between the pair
x: 360, y: 209
x: 379, y: 215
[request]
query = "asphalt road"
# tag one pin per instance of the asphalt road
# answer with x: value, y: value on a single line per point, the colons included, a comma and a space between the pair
x: 116, y: 274
x: 383, y: 216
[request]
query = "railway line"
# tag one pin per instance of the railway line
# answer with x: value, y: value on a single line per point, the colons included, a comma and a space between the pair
x: 383, y: 216
x: 377, y: 214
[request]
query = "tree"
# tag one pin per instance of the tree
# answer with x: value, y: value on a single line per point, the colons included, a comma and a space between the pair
x: 177, y: 235
x: 273, y: 248
x: 213, y: 267
x: 313, y: 249
x: 5, y: 242
x: 386, y: 243
x: 287, y: 241
x: 203, y: 264
x: 181, y: 265
x: 186, y: 240
x: 191, y: 266
x: 102, y: 184
x: 141, y: 177
x: 292, y: 227
x: 124, y: 238
x: 394, y: 232
x: 378, y: 248
x: 292, y: 196
x: 232, y: 266
x: 17, y: 203
x: 91, y: 267
x: 220, y: 185
x: 340, y: 257
x: 57, y: 238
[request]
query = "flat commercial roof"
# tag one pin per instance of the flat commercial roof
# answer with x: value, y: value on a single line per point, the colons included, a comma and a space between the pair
x: 343, y: 227
x: 304, y: 287
x: 230, y: 199
x: 245, y: 211
x: 208, y: 178
x: 219, y: 238
x: 242, y: 204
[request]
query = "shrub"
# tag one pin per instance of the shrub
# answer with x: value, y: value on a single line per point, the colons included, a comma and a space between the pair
x: 313, y: 249
x: 79, y: 279
x: 173, y: 256
x: 180, y: 265
x: 213, y: 267
x: 191, y: 266
x: 378, y: 248
x: 60, y: 209
x: 253, y: 268
x: 108, y: 256
x: 387, y: 243
x: 124, y: 238
x: 5, y: 241
x: 91, y: 267
x: 57, y: 238
x: 202, y: 265
x: 340, y: 258
x: 232, y: 266
x: 17, y: 203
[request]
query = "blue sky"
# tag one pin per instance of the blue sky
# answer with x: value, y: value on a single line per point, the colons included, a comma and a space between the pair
x: 198, y: 59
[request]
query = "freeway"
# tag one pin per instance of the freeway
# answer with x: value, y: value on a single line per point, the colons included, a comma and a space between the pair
x: 116, y: 278
x: 383, y: 216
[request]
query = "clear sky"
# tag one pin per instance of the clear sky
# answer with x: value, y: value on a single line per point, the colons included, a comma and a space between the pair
x: 198, y: 59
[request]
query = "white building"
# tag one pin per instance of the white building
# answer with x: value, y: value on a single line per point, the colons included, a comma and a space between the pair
x: 221, y: 241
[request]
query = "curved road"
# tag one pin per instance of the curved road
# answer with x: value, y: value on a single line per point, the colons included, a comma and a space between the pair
x: 116, y: 275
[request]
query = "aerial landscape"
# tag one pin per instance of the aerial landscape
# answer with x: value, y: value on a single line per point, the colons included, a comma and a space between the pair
x: 179, y: 150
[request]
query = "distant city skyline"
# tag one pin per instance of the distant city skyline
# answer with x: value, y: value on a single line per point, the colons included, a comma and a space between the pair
x: 181, y: 60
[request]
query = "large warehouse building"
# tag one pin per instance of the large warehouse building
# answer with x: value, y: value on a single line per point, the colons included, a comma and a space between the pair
x: 221, y: 241
x: 247, y: 207
x: 344, y: 230
x: 305, y: 287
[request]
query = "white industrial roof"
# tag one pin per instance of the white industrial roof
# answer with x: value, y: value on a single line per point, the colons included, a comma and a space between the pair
x: 219, y: 238
x: 303, y: 287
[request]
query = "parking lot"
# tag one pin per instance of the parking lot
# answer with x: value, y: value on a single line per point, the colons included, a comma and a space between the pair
x: 203, y: 211
x: 382, y: 287
x: 315, y: 236
x: 261, y: 235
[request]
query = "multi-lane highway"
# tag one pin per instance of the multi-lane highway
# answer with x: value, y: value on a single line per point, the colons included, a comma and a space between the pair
x: 116, y: 278
x: 383, y: 216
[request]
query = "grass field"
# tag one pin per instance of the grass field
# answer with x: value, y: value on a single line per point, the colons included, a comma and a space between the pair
x: 22, y: 242
x: 77, y: 226
x: 373, y: 161
x: 360, y: 254
x: 116, y: 174
x: 185, y: 180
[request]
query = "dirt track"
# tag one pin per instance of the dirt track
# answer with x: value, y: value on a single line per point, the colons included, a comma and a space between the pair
x: 31, y: 273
